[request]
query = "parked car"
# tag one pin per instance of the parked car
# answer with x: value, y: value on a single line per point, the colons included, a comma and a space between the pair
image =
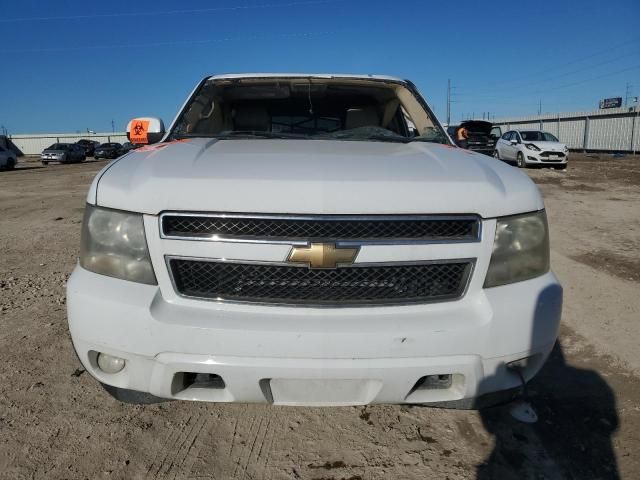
x: 128, y: 146
x: 108, y: 150
x: 480, y: 136
x: 89, y: 146
x: 532, y: 147
x: 63, y: 153
x: 8, y: 158
x: 291, y: 240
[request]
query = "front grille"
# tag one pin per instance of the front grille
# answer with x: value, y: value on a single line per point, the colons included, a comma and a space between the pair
x: 319, y: 228
x: 344, y: 286
x: 546, y: 154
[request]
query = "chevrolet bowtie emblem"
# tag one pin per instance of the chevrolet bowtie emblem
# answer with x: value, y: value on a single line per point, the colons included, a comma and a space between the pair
x: 322, y: 255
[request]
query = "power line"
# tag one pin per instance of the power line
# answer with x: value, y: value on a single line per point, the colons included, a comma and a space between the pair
x: 167, y: 12
x: 558, y: 87
x: 173, y: 43
x: 578, y: 70
x: 568, y: 63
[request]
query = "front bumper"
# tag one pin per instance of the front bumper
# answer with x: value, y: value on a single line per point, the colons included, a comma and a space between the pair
x: 533, y: 157
x: 313, y: 356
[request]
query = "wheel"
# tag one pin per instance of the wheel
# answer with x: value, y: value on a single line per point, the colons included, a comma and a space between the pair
x: 132, y: 396
x: 11, y: 164
x: 520, y: 160
x: 496, y: 154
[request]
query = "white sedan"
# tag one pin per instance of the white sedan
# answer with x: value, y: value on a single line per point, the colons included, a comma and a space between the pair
x: 532, y: 147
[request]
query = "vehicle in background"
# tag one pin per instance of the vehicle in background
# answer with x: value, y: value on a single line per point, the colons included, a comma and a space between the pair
x: 8, y: 158
x: 89, y: 146
x: 480, y: 136
x: 63, y: 153
x: 532, y: 147
x: 128, y: 146
x: 109, y: 150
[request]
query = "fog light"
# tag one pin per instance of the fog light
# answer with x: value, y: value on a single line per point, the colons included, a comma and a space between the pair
x: 109, y: 364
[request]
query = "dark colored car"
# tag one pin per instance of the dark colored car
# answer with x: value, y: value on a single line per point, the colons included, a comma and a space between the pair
x: 89, y: 146
x: 63, y: 153
x: 128, y: 146
x: 481, y: 136
x: 109, y: 150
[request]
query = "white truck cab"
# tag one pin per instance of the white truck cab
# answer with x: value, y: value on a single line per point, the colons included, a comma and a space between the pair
x: 311, y: 240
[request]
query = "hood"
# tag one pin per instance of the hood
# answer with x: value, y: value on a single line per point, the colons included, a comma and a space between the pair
x: 56, y: 152
x: 313, y: 177
x: 548, y: 146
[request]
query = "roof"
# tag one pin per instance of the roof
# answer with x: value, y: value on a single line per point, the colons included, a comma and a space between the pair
x: 302, y: 75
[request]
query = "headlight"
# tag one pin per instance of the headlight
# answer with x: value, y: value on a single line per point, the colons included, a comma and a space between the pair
x: 520, y: 249
x: 113, y: 244
x: 531, y: 146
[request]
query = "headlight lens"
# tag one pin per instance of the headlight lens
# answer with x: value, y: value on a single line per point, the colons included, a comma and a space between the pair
x: 531, y: 146
x: 113, y: 244
x: 520, y: 249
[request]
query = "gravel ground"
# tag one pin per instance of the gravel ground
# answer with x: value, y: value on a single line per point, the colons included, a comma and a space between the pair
x: 56, y: 421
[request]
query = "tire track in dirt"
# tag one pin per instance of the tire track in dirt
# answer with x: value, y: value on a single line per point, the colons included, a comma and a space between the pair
x: 255, y: 453
x: 176, y: 448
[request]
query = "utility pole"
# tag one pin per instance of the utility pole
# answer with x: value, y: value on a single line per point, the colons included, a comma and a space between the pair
x: 540, y: 107
x: 113, y: 127
x: 627, y: 93
x: 448, y: 101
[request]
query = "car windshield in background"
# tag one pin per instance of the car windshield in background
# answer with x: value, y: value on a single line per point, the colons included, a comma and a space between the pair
x: 538, y: 137
x: 550, y: 138
x: 307, y: 108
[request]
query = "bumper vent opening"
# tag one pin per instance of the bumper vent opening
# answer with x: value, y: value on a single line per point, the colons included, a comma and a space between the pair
x: 433, y: 382
x: 186, y: 380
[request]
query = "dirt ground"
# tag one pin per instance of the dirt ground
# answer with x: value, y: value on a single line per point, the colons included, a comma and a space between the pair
x: 57, y: 422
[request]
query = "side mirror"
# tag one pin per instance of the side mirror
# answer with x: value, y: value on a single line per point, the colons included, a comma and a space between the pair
x: 145, y: 130
x: 514, y: 142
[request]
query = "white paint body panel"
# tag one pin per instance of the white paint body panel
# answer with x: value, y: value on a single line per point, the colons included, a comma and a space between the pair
x: 314, y: 177
x: 315, y: 356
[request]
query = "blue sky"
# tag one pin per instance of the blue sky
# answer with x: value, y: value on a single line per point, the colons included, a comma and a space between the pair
x: 68, y: 66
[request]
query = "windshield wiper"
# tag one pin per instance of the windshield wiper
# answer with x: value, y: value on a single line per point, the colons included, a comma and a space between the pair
x: 428, y: 139
x: 368, y: 133
x: 240, y: 134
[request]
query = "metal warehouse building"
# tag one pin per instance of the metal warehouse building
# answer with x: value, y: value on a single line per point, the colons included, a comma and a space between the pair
x: 615, y: 129
x: 34, y: 144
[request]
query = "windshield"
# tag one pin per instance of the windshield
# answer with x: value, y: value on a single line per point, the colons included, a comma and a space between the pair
x: 58, y: 146
x: 307, y: 108
x: 536, y: 136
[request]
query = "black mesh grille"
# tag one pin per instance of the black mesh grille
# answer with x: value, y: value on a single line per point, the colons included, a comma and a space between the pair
x: 322, y: 228
x: 353, y: 285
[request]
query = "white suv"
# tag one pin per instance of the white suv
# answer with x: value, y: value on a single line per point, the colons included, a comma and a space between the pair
x: 311, y: 240
x: 532, y: 147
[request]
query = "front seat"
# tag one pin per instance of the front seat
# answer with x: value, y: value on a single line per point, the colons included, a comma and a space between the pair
x: 251, y: 118
x: 362, y: 117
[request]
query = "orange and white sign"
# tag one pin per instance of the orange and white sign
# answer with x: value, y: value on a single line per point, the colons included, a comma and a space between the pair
x: 139, y: 133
